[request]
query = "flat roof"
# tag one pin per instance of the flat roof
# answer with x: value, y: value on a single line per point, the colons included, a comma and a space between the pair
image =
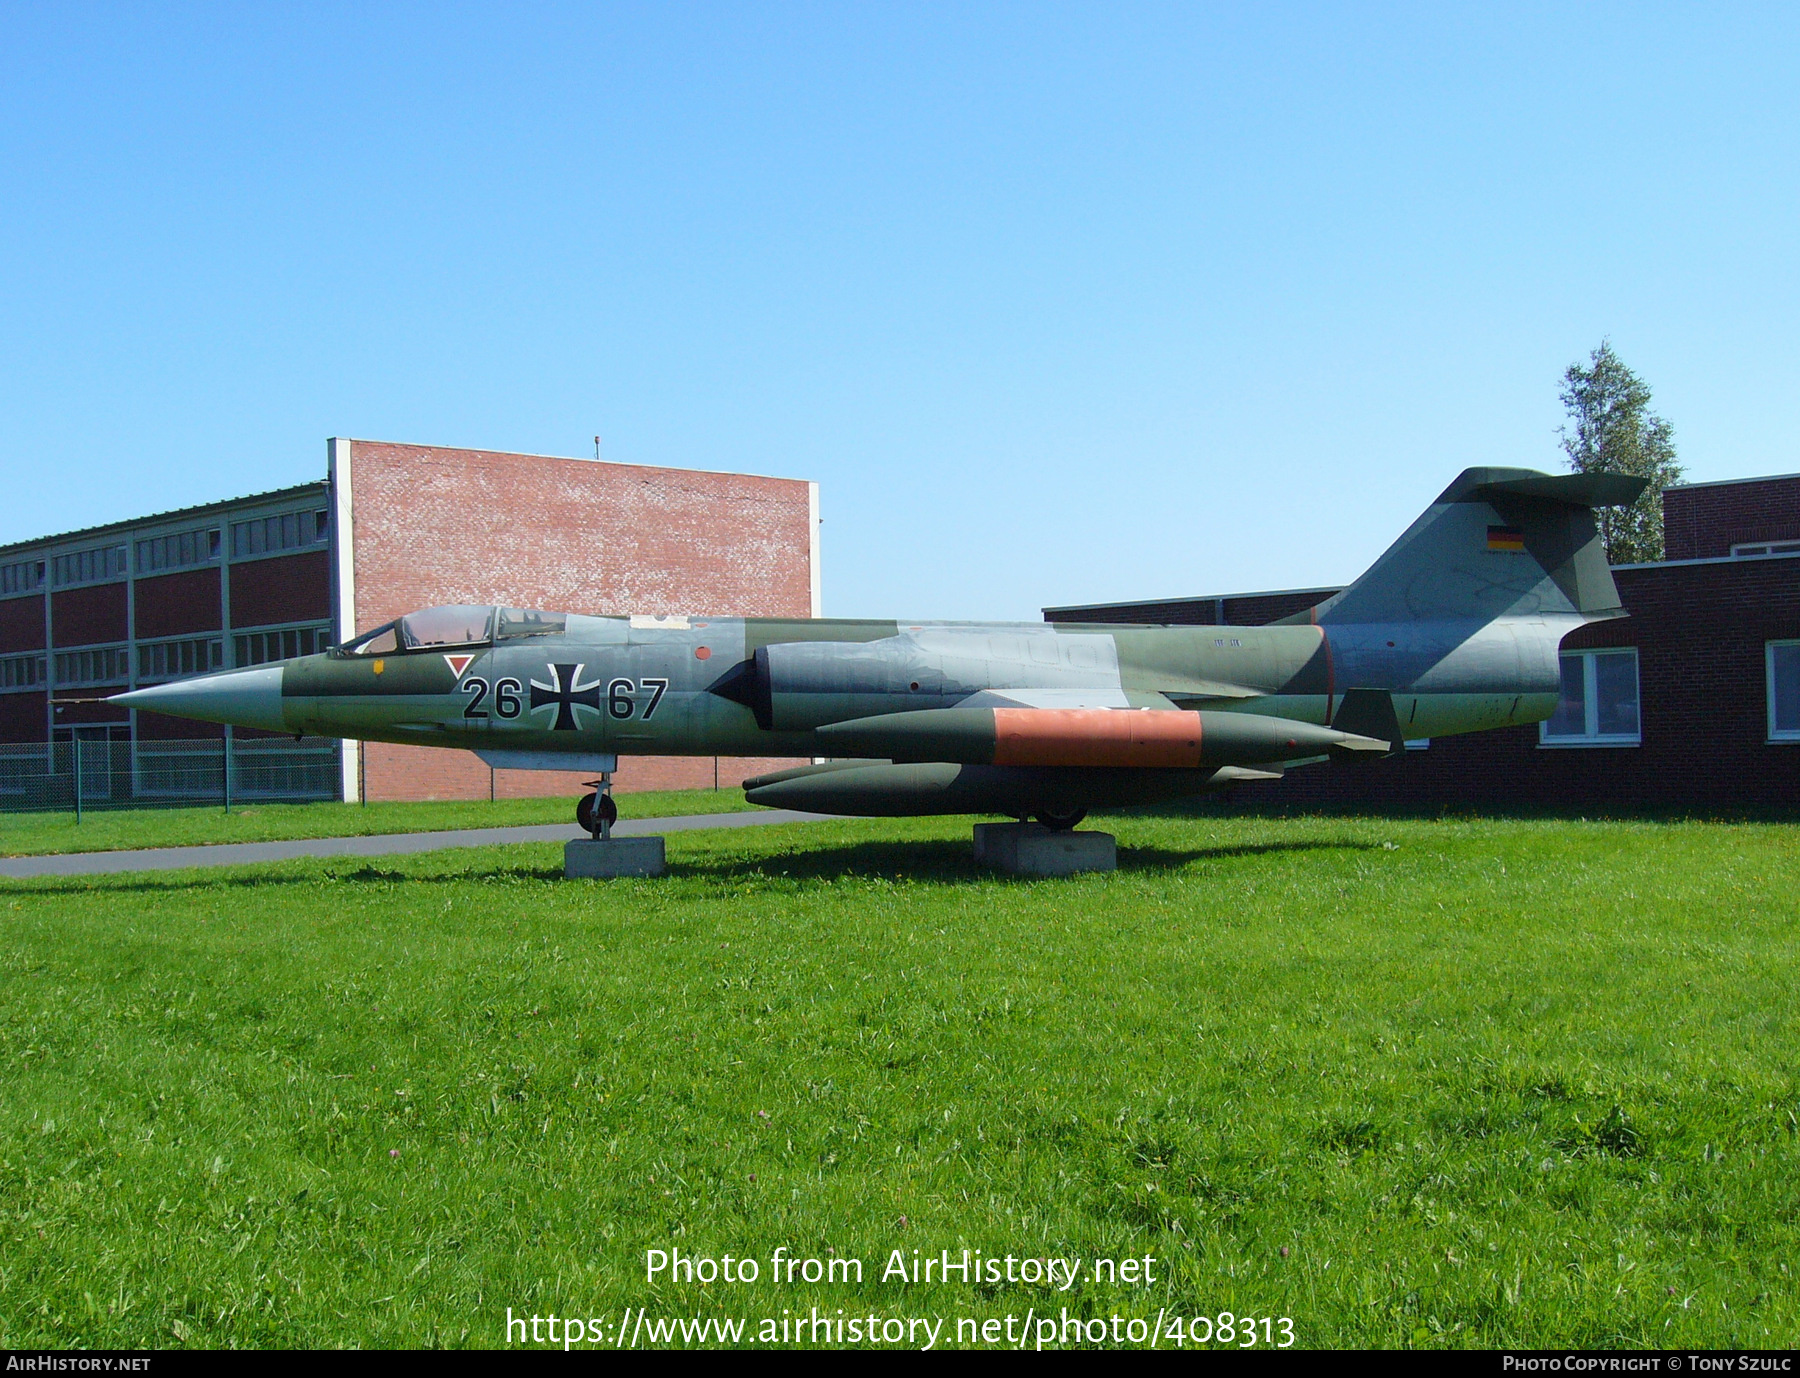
x: 89, y: 532
x: 1731, y: 482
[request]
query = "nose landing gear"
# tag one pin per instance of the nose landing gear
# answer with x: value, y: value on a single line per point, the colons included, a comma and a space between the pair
x: 1060, y: 822
x: 596, y: 813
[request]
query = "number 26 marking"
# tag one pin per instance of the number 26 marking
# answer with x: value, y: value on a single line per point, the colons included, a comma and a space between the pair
x: 506, y: 697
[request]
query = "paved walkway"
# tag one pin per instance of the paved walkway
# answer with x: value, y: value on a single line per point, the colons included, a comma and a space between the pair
x: 383, y: 844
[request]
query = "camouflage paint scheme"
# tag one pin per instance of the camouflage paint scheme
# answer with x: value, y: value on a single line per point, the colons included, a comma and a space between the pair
x: 1456, y: 628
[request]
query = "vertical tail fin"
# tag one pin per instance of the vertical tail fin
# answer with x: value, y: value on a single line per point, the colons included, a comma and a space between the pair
x: 1497, y: 543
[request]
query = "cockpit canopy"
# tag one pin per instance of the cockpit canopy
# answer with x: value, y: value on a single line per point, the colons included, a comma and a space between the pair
x: 456, y: 624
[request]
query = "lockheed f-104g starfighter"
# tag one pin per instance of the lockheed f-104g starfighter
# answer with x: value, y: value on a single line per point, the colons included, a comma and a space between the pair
x: 1456, y: 628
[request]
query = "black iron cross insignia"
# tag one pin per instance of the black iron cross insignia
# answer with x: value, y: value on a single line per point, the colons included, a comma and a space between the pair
x: 565, y: 700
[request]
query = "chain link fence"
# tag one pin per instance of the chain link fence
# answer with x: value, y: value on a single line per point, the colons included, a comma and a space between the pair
x: 97, y: 774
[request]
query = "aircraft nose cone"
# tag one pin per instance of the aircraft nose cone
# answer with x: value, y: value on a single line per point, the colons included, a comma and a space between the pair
x: 243, y: 698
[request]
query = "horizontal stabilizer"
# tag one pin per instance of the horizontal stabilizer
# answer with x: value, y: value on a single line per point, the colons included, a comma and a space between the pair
x: 1578, y: 490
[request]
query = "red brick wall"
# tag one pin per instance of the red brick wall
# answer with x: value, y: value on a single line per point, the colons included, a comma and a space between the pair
x: 414, y: 772
x: 474, y: 526
x: 1707, y: 520
x: 22, y: 624
x: 22, y: 718
x: 283, y: 588
x: 88, y: 616
x: 92, y: 706
x: 1702, y: 687
x: 155, y: 727
x: 178, y: 604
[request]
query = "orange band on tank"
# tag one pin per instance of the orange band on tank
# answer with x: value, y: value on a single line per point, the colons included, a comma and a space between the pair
x: 1095, y: 737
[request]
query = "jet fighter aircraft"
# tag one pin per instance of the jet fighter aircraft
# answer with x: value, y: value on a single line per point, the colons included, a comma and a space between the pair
x: 1456, y: 628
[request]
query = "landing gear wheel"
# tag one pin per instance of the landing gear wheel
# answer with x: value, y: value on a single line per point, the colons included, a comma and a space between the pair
x: 1060, y: 822
x: 593, y: 810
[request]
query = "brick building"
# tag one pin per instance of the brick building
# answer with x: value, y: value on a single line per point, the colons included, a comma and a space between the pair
x: 390, y: 529
x: 1691, y: 701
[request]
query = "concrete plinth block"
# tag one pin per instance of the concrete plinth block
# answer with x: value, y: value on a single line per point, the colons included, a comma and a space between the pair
x: 589, y: 858
x: 1031, y: 849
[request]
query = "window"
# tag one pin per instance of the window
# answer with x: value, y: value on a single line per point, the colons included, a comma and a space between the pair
x: 270, y: 535
x: 23, y: 577
x: 459, y: 625
x: 89, y: 566
x: 383, y: 641
x: 174, y: 659
x: 97, y: 665
x: 281, y: 643
x: 516, y: 622
x: 1767, y: 548
x: 1784, y: 691
x: 21, y: 672
x: 1599, y: 705
x: 178, y: 551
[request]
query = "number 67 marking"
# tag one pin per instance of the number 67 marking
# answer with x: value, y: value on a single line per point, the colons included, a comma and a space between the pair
x: 621, y: 697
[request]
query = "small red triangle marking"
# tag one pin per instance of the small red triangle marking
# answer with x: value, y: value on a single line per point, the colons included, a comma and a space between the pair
x: 458, y: 664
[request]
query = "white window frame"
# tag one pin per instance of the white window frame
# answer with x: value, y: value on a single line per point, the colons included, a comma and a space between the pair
x: 109, y: 563
x: 208, y: 547
x: 1745, y: 550
x: 30, y: 673
x: 210, y: 648
x: 1591, y: 704
x: 114, y: 663
x: 1776, y: 736
x: 23, y: 576
x: 314, y: 518
x: 321, y: 632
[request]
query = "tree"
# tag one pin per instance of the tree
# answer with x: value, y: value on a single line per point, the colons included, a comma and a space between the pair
x: 1613, y: 431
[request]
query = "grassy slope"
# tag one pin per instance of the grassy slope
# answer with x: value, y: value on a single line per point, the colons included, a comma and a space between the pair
x: 36, y: 834
x: 1486, y: 1083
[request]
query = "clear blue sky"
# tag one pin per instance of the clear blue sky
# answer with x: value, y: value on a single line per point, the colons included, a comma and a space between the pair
x: 1057, y: 303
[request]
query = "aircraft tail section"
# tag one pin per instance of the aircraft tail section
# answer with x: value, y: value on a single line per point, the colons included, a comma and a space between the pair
x: 1497, y: 543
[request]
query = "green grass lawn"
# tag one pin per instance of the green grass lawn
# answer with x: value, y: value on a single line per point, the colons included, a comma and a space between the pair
x: 37, y: 834
x: 1404, y: 1082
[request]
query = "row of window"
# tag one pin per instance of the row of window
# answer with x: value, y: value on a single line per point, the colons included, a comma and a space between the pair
x: 289, y: 531
x: 281, y: 643
x: 173, y: 659
x: 22, y: 672
x: 21, y: 577
x: 93, y: 665
x: 1599, y: 704
x: 163, y: 660
x: 88, y: 566
x: 179, y: 550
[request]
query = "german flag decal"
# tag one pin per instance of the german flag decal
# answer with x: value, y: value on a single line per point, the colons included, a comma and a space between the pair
x: 1505, y: 538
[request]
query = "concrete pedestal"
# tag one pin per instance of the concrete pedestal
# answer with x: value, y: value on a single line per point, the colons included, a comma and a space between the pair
x: 592, y: 859
x: 1031, y: 849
